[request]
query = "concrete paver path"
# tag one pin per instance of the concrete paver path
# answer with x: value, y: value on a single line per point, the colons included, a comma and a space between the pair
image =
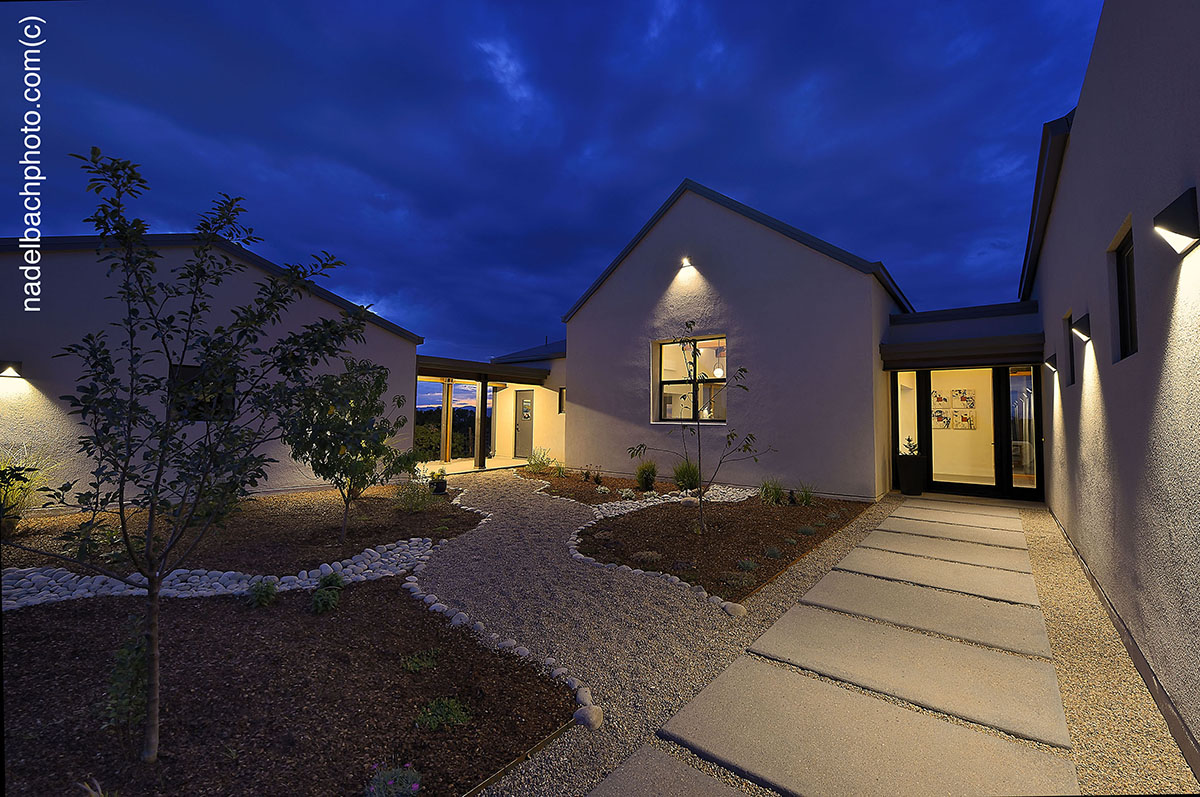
x: 919, y: 665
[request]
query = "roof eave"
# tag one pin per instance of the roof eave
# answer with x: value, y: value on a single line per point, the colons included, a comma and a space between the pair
x: 1055, y: 134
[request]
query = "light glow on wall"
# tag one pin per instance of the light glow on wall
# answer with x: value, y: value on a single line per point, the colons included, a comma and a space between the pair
x: 1082, y: 327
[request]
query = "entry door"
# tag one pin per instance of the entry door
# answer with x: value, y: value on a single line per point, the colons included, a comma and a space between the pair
x: 523, y: 443
x: 979, y: 429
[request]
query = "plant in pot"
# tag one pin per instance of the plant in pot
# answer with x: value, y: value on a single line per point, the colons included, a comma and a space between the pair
x: 912, y: 468
x: 437, y: 482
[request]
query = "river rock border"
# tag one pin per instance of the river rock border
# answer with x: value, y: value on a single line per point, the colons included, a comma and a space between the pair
x: 720, y: 493
x: 30, y: 586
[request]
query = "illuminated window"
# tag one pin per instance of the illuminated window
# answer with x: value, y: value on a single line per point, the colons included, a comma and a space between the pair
x: 1126, y: 303
x: 691, y: 380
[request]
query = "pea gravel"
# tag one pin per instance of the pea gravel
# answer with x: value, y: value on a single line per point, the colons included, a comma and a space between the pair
x: 1120, y: 740
x: 643, y: 646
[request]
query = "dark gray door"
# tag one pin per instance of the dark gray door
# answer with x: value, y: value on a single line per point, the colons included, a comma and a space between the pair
x: 523, y: 443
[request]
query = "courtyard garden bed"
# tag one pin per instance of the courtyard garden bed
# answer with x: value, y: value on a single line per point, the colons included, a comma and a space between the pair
x: 278, y: 534
x: 746, y: 545
x: 573, y: 486
x: 271, y: 700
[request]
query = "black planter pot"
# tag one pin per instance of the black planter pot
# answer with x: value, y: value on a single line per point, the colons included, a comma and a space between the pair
x: 912, y: 474
x: 438, y: 486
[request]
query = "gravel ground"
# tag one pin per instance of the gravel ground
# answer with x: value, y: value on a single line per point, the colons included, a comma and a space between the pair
x: 643, y: 646
x: 1121, y: 741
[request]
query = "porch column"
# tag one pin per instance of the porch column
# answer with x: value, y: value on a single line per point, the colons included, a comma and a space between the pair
x: 481, y: 451
x: 447, y: 417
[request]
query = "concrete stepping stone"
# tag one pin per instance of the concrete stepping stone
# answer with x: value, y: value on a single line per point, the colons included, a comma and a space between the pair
x: 970, y: 553
x: 650, y: 772
x: 799, y: 735
x: 961, y: 518
x: 949, y: 531
x: 1020, y: 629
x: 987, y: 582
x: 1011, y: 693
x: 957, y: 506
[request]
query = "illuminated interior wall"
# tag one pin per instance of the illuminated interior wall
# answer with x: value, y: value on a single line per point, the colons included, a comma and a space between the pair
x: 961, y: 454
x: 906, y: 398
x: 1123, y: 443
x: 73, y: 306
x: 807, y: 329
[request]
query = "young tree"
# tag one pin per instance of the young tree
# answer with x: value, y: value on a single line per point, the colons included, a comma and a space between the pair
x: 174, y: 448
x: 339, y: 426
x: 736, y: 448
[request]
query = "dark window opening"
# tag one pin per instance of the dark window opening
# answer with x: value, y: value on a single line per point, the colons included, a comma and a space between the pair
x: 1126, y: 302
x: 562, y: 400
x: 1068, y: 368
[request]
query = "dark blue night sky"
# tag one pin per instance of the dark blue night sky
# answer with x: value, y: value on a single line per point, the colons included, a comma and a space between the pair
x: 477, y: 166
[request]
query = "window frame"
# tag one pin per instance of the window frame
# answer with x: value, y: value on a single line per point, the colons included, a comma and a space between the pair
x: 562, y: 400
x: 1126, y: 297
x: 695, y: 383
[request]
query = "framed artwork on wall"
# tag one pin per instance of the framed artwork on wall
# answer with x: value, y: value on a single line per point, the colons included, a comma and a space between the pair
x: 941, y: 419
x: 963, y: 398
x: 964, y: 419
x: 936, y: 399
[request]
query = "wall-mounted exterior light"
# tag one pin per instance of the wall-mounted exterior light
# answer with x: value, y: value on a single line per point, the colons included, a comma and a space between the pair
x: 1052, y: 362
x: 1082, y: 327
x: 10, y: 368
x: 685, y: 263
x: 1179, y: 224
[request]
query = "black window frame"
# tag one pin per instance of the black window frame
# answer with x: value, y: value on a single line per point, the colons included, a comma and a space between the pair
x: 562, y: 400
x: 695, y: 383
x: 1069, y: 341
x: 1127, y: 342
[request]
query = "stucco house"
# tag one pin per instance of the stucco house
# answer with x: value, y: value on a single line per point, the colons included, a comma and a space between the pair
x: 1083, y: 392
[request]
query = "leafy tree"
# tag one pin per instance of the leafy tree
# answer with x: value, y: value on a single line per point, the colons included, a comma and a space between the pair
x: 177, y: 447
x: 340, y: 427
x: 737, y: 447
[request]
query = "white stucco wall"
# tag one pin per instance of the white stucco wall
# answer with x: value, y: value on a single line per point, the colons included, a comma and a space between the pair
x: 74, y: 287
x: 805, y: 326
x: 1123, y: 442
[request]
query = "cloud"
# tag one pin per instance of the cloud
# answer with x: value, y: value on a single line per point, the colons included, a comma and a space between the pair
x: 506, y: 70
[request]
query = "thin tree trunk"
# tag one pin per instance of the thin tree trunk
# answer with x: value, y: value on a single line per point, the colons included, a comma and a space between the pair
x: 345, y: 517
x: 150, y: 743
x: 700, y: 472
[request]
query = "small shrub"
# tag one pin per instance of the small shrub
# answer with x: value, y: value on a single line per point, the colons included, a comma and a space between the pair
x: 414, y: 497
x: 646, y: 473
x: 539, y: 461
x: 650, y: 494
x: 596, y: 477
x: 262, y: 594
x: 807, y: 531
x: 442, y: 712
x: 393, y: 781
x: 687, y: 475
x: 791, y: 541
x: 627, y: 494
x: 603, y: 490
x: 806, y: 497
x: 732, y: 578
x: 771, y: 492
x: 94, y: 789
x: 421, y: 661
x: 331, y: 581
x: 771, y: 552
x: 833, y: 514
x: 560, y: 470
x: 587, y: 474
x: 125, y: 702
x: 747, y: 565
x: 325, y: 600
x: 644, y: 558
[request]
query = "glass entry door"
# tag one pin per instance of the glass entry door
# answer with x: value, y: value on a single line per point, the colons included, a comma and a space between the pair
x: 978, y: 429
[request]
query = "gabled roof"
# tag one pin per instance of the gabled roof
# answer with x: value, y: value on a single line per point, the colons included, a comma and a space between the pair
x: 1050, y: 157
x: 875, y: 269
x: 68, y: 243
x: 554, y: 350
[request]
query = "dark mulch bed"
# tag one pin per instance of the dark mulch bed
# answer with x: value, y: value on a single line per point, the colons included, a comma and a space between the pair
x: 266, y: 701
x: 574, y: 487
x: 770, y: 537
x: 278, y: 534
